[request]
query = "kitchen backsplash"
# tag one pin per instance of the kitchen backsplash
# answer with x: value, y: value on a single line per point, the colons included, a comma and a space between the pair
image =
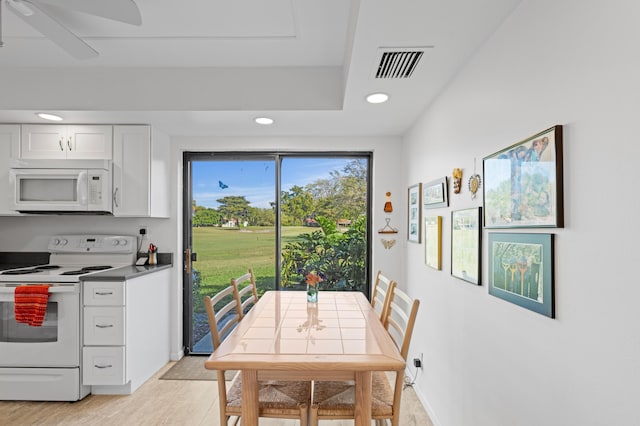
x: 31, y: 233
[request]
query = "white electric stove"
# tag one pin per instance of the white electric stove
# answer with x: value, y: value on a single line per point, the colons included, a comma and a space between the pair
x: 44, y: 363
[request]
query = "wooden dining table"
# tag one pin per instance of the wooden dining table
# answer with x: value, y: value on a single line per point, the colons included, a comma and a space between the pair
x: 285, y: 338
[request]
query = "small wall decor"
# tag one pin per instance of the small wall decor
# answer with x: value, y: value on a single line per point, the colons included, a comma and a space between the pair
x: 521, y: 270
x: 415, y: 213
x: 433, y: 241
x: 523, y: 183
x: 474, y: 182
x: 457, y: 180
x: 387, y: 243
x: 465, y: 244
x: 388, y: 207
x: 434, y: 194
x: 387, y: 229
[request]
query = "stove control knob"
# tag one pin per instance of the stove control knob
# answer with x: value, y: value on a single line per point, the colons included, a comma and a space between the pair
x: 122, y: 242
x: 64, y: 241
x: 56, y: 241
x: 115, y: 242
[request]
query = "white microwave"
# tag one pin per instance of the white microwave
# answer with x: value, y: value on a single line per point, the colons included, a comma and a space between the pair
x: 61, y: 186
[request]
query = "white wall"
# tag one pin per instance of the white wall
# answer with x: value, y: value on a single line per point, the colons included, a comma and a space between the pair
x: 490, y: 362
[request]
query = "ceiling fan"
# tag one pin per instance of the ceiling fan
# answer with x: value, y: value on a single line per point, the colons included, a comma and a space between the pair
x: 38, y: 14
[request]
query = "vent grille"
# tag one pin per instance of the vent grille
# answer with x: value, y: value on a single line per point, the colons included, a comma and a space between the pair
x: 398, y: 64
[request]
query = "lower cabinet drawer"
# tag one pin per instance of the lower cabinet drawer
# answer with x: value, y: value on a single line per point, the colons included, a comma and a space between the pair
x: 104, y: 326
x: 103, y: 366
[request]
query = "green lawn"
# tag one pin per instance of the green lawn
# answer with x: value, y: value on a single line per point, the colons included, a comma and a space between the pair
x: 224, y: 253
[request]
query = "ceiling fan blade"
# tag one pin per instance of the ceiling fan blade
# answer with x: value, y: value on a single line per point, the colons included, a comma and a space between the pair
x: 118, y: 10
x: 53, y: 30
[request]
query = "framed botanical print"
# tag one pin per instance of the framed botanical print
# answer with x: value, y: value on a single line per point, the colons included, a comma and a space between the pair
x: 433, y: 241
x: 523, y: 183
x: 415, y: 213
x: 521, y: 270
x: 465, y: 244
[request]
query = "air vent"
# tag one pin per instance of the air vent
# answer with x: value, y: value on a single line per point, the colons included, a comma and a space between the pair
x: 398, y: 62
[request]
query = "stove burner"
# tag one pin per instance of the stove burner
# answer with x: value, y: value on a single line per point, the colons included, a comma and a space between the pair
x: 86, y: 269
x: 46, y: 267
x: 22, y: 271
x: 96, y: 268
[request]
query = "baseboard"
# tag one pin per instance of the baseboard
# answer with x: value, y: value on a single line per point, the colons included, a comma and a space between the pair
x: 177, y: 356
x: 427, y: 406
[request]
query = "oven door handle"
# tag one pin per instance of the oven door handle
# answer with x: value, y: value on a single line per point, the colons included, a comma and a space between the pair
x: 52, y: 290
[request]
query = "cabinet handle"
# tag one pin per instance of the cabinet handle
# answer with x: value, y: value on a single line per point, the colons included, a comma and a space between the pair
x: 115, y: 197
x: 104, y: 326
x: 60, y: 143
x: 104, y: 293
x: 69, y: 143
x: 102, y: 366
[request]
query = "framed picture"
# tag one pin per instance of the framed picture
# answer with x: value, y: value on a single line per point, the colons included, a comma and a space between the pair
x: 523, y: 183
x: 415, y: 213
x: 434, y: 194
x: 521, y: 270
x: 433, y: 241
x: 465, y: 244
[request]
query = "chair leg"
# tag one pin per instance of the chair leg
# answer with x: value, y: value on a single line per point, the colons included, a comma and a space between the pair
x: 313, y: 415
x: 304, y: 414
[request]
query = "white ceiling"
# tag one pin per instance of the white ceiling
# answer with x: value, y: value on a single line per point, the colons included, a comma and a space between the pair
x: 208, y: 67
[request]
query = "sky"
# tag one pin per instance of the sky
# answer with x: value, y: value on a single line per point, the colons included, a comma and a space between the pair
x: 255, y: 180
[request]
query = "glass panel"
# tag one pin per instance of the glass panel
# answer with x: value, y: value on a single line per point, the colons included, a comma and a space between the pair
x: 233, y: 229
x: 14, y: 332
x: 324, y: 223
x: 51, y: 189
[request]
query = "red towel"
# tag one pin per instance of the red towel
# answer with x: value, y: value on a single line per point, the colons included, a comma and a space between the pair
x: 31, y: 303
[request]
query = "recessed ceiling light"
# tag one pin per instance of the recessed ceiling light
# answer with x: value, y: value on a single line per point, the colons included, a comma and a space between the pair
x: 264, y: 120
x: 377, y: 98
x: 50, y: 117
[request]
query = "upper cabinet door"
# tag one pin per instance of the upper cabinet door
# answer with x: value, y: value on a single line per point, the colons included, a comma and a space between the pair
x: 51, y: 141
x: 43, y: 141
x: 9, y: 146
x: 90, y: 142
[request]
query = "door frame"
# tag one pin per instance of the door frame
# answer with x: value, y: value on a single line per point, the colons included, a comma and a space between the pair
x: 276, y: 156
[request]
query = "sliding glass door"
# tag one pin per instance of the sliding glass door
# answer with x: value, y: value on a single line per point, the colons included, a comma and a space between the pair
x: 283, y: 215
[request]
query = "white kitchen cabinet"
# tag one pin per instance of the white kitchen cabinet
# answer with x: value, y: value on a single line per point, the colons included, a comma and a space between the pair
x: 53, y: 141
x: 126, y: 332
x: 140, y: 172
x: 9, y: 147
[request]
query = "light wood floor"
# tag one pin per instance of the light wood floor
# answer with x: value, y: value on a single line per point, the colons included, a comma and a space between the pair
x: 160, y: 402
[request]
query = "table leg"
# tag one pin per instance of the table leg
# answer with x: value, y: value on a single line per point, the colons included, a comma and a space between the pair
x: 363, y: 398
x: 249, y: 398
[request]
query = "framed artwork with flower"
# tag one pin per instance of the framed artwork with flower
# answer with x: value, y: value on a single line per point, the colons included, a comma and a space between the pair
x: 414, y: 210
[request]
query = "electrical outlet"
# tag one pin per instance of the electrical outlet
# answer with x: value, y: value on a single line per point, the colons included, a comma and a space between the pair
x: 417, y: 362
x: 143, y: 231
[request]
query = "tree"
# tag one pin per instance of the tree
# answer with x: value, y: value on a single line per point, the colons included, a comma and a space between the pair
x: 296, y: 203
x: 233, y: 207
x: 344, y: 194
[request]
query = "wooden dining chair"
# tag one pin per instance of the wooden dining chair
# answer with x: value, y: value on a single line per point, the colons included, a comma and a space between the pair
x: 336, y: 400
x: 277, y: 399
x: 380, y: 297
x: 247, y: 290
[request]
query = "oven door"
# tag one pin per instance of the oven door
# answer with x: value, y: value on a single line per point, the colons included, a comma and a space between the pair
x: 54, y: 344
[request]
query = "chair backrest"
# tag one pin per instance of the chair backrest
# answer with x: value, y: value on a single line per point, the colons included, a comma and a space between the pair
x: 223, y: 319
x: 401, y: 319
x: 380, y: 298
x: 246, y: 287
